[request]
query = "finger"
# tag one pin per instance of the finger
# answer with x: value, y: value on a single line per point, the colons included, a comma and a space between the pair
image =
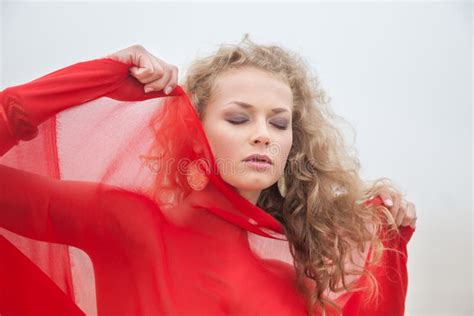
x: 160, y: 69
x: 159, y: 84
x: 410, y: 216
x: 401, y: 213
x: 149, y: 73
x: 396, y: 205
x: 141, y: 74
x: 173, y: 82
x: 386, y: 197
x: 142, y: 58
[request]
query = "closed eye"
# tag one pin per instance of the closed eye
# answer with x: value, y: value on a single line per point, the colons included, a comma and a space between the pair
x: 281, y: 126
x: 239, y: 122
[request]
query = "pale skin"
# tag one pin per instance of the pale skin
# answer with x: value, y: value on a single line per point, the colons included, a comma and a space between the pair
x: 249, y: 113
x: 259, y: 130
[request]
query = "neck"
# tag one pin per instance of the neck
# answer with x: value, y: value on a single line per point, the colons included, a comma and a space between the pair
x: 250, y: 195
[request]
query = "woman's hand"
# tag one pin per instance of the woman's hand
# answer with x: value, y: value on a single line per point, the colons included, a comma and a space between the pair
x: 404, y: 212
x: 153, y: 72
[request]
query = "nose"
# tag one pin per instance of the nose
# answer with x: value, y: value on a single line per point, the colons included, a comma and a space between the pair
x: 261, y: 137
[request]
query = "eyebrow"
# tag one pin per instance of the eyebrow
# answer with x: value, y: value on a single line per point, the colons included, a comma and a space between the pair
x: 250, y: 106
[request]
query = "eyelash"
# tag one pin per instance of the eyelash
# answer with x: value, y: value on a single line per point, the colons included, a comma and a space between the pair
x: 241, y: 122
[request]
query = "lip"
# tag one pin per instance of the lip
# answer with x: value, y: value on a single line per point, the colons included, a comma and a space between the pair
x: 258, y: 165
x: 259, y: 158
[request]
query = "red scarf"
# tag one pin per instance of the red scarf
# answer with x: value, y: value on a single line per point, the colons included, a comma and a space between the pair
x: 165, y: 236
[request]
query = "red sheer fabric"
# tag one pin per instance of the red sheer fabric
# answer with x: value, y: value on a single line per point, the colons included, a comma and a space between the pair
x: 89, y: 225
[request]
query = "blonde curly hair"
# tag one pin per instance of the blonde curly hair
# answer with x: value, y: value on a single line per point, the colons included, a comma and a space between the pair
x: 322, y: 213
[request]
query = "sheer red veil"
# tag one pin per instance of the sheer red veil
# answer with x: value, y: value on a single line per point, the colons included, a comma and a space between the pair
x: 96, y: 175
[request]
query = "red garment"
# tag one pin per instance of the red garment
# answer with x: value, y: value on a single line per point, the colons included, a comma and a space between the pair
x: 79, y: 183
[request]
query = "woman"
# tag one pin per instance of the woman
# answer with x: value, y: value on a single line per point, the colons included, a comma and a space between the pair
x: 269, y: 216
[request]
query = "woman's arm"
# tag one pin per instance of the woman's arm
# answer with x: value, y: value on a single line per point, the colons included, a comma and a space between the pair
x: 24, y: 107
x: 70, y: 212
x: 77, y: 213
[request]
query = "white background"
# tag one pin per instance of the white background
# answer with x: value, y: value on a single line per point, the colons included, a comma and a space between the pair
x: 400, y: 73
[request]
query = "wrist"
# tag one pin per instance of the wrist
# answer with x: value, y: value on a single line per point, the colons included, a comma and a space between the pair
x: 16, y: 119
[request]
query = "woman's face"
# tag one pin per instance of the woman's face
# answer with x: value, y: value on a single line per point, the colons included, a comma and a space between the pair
x: 250, y: 112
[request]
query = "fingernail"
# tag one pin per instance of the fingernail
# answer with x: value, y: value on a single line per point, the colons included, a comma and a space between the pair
x: 388, y: 202
x: 168, y: 90
x: 148, y: 89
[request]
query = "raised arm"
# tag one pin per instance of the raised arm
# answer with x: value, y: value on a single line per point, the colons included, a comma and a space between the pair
x: 24, y: 107
x: 44, y: 208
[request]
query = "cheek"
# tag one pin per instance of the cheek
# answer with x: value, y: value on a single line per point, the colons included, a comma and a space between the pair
x: 284, y: 150
x: 222, y: 140
x: 288, y: 142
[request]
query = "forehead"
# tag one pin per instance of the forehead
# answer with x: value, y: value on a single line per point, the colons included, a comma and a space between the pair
x: 253, y: 86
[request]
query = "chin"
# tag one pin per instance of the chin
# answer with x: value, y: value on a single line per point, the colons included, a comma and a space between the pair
x: 252, y: 183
